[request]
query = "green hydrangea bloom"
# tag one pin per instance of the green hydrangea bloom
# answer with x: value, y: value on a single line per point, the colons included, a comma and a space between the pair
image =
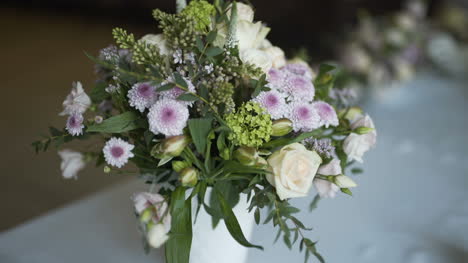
x: 250, y: 125
x: 201, y: 12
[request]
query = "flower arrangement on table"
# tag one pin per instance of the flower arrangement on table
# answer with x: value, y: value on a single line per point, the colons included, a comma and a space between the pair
x: 383, y: 51
x: 210, y: 103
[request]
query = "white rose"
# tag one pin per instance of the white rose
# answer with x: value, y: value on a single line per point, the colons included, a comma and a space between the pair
x: 277, y: 56
x: 356, y: 145
x: 159, y: 41
x: 257, y: 58
x: 250, y: 35
x: 325, y: 188
x: 160, y: 218
x: 244, y: 12
x: 293, y: 169
x: 72, y: 163
x: 77, y: 102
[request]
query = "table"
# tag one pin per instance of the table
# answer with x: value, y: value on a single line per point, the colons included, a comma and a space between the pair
x: 411, y: 206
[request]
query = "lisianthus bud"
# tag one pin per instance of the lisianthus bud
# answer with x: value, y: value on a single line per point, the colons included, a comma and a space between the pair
x: 225, y: 154
x: 261, y: 163
x: 344, y: 181
x: 189, y: 177
x: 281, y: 127
x: 246, y: 155
x: 170, y: 147
x: 179, y: 165
x: 352, y: 113
x: 146, y: 215
x: 363, y: 130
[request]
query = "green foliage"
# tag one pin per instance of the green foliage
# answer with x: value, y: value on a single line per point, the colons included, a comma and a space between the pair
x: 222, y: 97
x: 199, y: 130
x: 124, y: 122
x: 179, y: 30
x: 201, y: 11
x: 178, y: 246
x: 250, y: 125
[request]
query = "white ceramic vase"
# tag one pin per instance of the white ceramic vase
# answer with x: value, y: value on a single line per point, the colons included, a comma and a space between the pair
x: 216, y: 245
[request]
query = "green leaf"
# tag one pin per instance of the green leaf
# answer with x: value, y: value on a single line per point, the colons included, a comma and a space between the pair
x: 165, y: 87
x: 200, y: 45
x: 285, y: 141
x: 199, y: 130
x: 231, y: 196
x: 232, y: 224
x: 180, y: 241
x: 124, y: 122
x: 187, y: 97
x: 165, y: 160
x: 98, y: 93
x: 211, y: 36
x: 314, y: 203
x: 179, y: 80
x: 357, y: 171
x: 213, y: 51
x: 257, y: 216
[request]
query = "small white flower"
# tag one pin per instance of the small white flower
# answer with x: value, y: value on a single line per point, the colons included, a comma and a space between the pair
x: 72, y: 163
x: 355, y: 145
x: 168, y: 116
x: 157, y: 235
x: 117, y: 152
x: 142, y: 96
x: 209, y: 68
x: 77, y: 101
x: 75, y: 124
x: 111, y: 89
x: 178, y: 56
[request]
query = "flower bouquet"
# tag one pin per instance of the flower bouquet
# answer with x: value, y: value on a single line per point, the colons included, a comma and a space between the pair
x: 210, y: 105
x: 381, y: 53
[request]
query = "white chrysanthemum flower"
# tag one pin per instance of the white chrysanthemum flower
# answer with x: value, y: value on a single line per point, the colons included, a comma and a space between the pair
x: 75, y: 124
x: 168, y: 116
x: 142, y: 96
x: 327, y: 114
x: 299, y: 88
x: 304, y: 116
x: 77, y: 101
x: 117, y: 152
x: 72, y: 163
x: 273, y: 101
x: 175, y: 92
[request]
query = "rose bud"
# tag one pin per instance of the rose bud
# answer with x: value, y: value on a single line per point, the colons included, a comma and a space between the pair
x: 344, y: 181
x: 189, y: 177
x: 170, y: 147
x: 179, y: 165
x: 281, y: 127
x: 246, y: 155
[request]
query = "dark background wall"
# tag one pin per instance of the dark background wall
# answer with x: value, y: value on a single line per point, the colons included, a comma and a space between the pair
x: 41, y: 47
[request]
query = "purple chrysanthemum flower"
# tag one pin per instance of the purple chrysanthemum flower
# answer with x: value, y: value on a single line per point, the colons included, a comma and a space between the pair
x: 299, y: 69
x: 168, y: 116
x: 142, y: 96
x: 300, y: 88
x: 273, y: 101
x: 304, y: 116
x: 117, y: 152
x: 327, y: 114
x: 276, y: 78
x: 177, y: 91
x: 75, y: 124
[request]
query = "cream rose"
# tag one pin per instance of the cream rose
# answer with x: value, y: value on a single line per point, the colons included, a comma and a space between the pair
x: 293, y: 169
x: 355, y: 145
x: 257, y: 58
x: 278, y: 59
x: 159, y: 41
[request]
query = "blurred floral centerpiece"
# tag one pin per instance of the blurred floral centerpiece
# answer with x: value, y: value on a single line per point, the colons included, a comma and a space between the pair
x: 209, y: 112
x: 384, y: 52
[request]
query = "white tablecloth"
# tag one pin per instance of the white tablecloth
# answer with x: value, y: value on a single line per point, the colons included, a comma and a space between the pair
x: 411, y: 204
